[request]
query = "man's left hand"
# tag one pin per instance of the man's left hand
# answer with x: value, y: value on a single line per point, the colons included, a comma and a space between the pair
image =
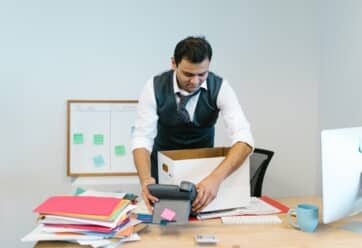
x: 206, y: 192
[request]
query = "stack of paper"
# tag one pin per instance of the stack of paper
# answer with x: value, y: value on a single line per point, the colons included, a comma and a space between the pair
x: 95, y: 219
x: 257, y: 206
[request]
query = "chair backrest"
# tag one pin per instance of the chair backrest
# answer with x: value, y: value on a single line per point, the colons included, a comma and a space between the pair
x: 259, y: 161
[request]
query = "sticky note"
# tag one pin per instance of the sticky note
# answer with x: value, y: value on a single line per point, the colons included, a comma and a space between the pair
x: 79, y: 191
x: 98, y: 161
x: 168, y: 214
x: 120, y: 150
x: 98, y: 139
x: 78, y: 138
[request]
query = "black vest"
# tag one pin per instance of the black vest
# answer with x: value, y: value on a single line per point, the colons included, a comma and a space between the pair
x: 172, y: 131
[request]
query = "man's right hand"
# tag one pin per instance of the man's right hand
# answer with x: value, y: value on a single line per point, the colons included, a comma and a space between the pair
x: 146, y: 195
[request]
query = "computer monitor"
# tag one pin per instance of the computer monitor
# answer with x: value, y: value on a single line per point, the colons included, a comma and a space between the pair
x: 342, y: 175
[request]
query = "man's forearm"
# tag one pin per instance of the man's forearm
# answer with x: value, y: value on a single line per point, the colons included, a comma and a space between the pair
x: 207, y: 189
x: 141, y: 157
x: 234, y: 159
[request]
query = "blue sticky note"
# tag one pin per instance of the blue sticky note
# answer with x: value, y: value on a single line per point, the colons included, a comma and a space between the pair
x: 98, y: 161
x: 79, y: 191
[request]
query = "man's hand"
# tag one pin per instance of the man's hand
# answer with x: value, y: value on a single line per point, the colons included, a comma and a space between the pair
x: 206, y: 192
x: 146, y: 195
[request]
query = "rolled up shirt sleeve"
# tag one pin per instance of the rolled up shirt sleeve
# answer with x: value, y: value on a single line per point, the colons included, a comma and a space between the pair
x: 237, y: 125
x: 145, y: 127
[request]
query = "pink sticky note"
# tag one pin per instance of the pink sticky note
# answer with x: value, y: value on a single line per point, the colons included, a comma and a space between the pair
x: 168, y: 214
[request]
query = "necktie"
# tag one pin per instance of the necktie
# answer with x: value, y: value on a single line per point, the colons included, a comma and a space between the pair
x: 182, y: 105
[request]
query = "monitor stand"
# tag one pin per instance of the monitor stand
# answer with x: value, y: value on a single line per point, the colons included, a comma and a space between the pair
x: 353, y: 226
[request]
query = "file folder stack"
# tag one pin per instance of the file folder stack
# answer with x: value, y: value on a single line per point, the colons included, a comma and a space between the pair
x: 91, y: 220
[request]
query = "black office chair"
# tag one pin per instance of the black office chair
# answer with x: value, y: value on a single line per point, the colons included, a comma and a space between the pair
x: 259, y: 162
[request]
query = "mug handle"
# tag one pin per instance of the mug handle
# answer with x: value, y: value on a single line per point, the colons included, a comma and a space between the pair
x: 291, y: 222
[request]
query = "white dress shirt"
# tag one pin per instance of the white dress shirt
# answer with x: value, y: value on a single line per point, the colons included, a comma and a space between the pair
x: 237, y: 126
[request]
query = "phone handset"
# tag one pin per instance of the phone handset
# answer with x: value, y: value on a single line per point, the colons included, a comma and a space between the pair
x: 189, y: 187
x: 186, y: 191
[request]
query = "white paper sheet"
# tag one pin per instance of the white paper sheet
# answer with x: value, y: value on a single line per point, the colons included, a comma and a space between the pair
x: 141, y: 208
x: 38, y: 234
x: 256, y: 207
x: 103, y: 193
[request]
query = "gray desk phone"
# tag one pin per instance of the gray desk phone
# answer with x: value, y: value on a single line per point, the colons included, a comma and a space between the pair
x: 177, y: 198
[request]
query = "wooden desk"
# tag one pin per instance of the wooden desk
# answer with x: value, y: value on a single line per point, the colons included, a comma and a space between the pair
x: 243, y: 236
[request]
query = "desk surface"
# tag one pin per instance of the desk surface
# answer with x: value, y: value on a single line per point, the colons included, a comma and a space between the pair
x: 240, y: 236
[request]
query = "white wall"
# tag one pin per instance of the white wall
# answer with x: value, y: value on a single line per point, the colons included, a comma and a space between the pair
x: 52, y: 51
x: 340, y: 98
x: 280, y: 93
x: 341, y: 77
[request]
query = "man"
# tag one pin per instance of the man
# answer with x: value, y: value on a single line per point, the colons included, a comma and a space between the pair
x: 178, y: 110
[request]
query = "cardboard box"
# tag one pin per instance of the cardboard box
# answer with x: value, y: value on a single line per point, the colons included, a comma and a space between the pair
x: 195, y: 164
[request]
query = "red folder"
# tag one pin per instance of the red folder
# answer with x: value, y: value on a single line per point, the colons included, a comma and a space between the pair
x: 283, y: 209
x: 91, y: 205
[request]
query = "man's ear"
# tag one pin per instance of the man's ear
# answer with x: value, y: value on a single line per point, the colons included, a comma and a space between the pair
x: 173, y: 63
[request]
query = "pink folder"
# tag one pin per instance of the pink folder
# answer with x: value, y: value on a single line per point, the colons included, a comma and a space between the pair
x: 92, y: 205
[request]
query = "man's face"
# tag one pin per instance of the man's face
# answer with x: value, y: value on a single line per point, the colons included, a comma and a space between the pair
x: 190, y: 76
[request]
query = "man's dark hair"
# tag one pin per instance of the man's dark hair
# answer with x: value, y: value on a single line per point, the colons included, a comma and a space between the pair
x: 193, y: 49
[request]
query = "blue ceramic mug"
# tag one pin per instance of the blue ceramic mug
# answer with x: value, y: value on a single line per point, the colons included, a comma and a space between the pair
x: 307, y: 217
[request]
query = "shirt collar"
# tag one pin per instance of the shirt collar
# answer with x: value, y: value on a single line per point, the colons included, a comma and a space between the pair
x: 183, y: 92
